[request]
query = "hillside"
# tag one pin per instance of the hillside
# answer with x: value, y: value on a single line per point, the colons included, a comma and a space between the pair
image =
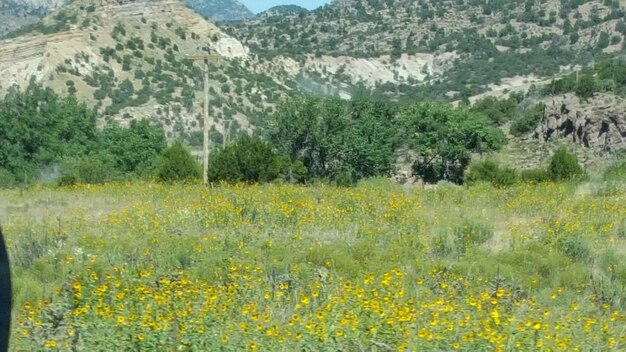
x: 439, y: 49
x: 129, y: 58
x: 130, y: 61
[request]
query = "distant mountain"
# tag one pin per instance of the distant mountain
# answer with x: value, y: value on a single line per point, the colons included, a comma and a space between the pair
x: 220, y: 10
x: 283, y: 9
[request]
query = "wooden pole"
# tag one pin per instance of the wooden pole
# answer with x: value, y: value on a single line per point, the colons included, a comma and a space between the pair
x: 205, y: 143
x: 207, y: 120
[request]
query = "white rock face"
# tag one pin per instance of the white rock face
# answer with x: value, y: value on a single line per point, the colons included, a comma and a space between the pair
x: 231, y: 48
x: 382, y: 69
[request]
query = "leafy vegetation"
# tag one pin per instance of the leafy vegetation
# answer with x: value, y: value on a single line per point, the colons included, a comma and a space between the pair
x: 271, y: 267
x: 252, y: 160
x: 177, y: 164
x: 40, y: 132
x: 331, y: 137
x: 444, y: 138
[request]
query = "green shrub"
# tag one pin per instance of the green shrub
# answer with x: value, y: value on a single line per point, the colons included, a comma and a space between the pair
x: 564, y: 166
x: 250, y: 159
x: 344, y: 177
x: 586, y: 86
x: 177, y: 164
x: 535, y: 176
x: 490, y: 171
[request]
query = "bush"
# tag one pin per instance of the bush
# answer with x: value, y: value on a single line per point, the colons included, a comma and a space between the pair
x: 564, y: 166
x: 535, y: 176
x: 344, y: 177
x: 177, y: 164
x: 250, y: 160
x: 490, y: 171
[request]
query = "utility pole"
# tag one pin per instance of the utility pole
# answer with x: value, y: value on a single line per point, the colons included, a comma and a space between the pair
x: 205, y: 132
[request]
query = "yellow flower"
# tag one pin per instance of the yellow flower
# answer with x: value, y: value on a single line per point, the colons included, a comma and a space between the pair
x: 253, y: 346
x: 50, y: 344
x: 141, y: 337
x: 339, y: 333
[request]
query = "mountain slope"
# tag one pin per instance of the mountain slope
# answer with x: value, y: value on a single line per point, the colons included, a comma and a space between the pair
x: 131, y: 61
x: 475, y: 46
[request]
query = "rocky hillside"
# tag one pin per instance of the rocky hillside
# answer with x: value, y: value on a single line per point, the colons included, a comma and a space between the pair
x: 439, y: 49
x: 134, y: 59
x: 598, y: 123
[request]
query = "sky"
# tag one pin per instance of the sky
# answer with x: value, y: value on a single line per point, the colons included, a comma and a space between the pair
x: 257, y: 6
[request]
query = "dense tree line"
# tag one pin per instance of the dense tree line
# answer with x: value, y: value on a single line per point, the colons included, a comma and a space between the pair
x: 310, y: 138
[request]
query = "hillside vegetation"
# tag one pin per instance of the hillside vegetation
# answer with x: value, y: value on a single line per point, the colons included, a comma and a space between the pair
x: 484, y: 41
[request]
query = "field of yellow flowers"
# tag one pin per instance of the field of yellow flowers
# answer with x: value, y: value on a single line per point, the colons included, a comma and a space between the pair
x: 378, y: 267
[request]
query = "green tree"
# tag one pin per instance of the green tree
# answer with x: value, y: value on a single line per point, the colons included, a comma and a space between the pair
x: 330, y: 136
x: 134, y: 149
x: 445, y: 137
x: 177, y: 164
x: 586, y: 86
x: 38, y: 128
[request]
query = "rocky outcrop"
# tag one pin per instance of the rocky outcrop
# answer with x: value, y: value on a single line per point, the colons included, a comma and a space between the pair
x: 597, y: 123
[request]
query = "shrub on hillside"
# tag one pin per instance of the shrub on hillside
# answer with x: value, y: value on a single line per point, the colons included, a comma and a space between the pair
x: 177, y: 164
x: 490, y: 171
x: 564, y: 166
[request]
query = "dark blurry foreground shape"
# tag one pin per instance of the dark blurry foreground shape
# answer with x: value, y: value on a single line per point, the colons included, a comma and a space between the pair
x: 5, y: 296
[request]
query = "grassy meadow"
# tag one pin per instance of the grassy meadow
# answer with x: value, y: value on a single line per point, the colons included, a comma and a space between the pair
x: 378, y: 267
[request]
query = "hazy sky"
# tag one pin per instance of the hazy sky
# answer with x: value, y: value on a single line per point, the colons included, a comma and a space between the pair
x: 257, y: 6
